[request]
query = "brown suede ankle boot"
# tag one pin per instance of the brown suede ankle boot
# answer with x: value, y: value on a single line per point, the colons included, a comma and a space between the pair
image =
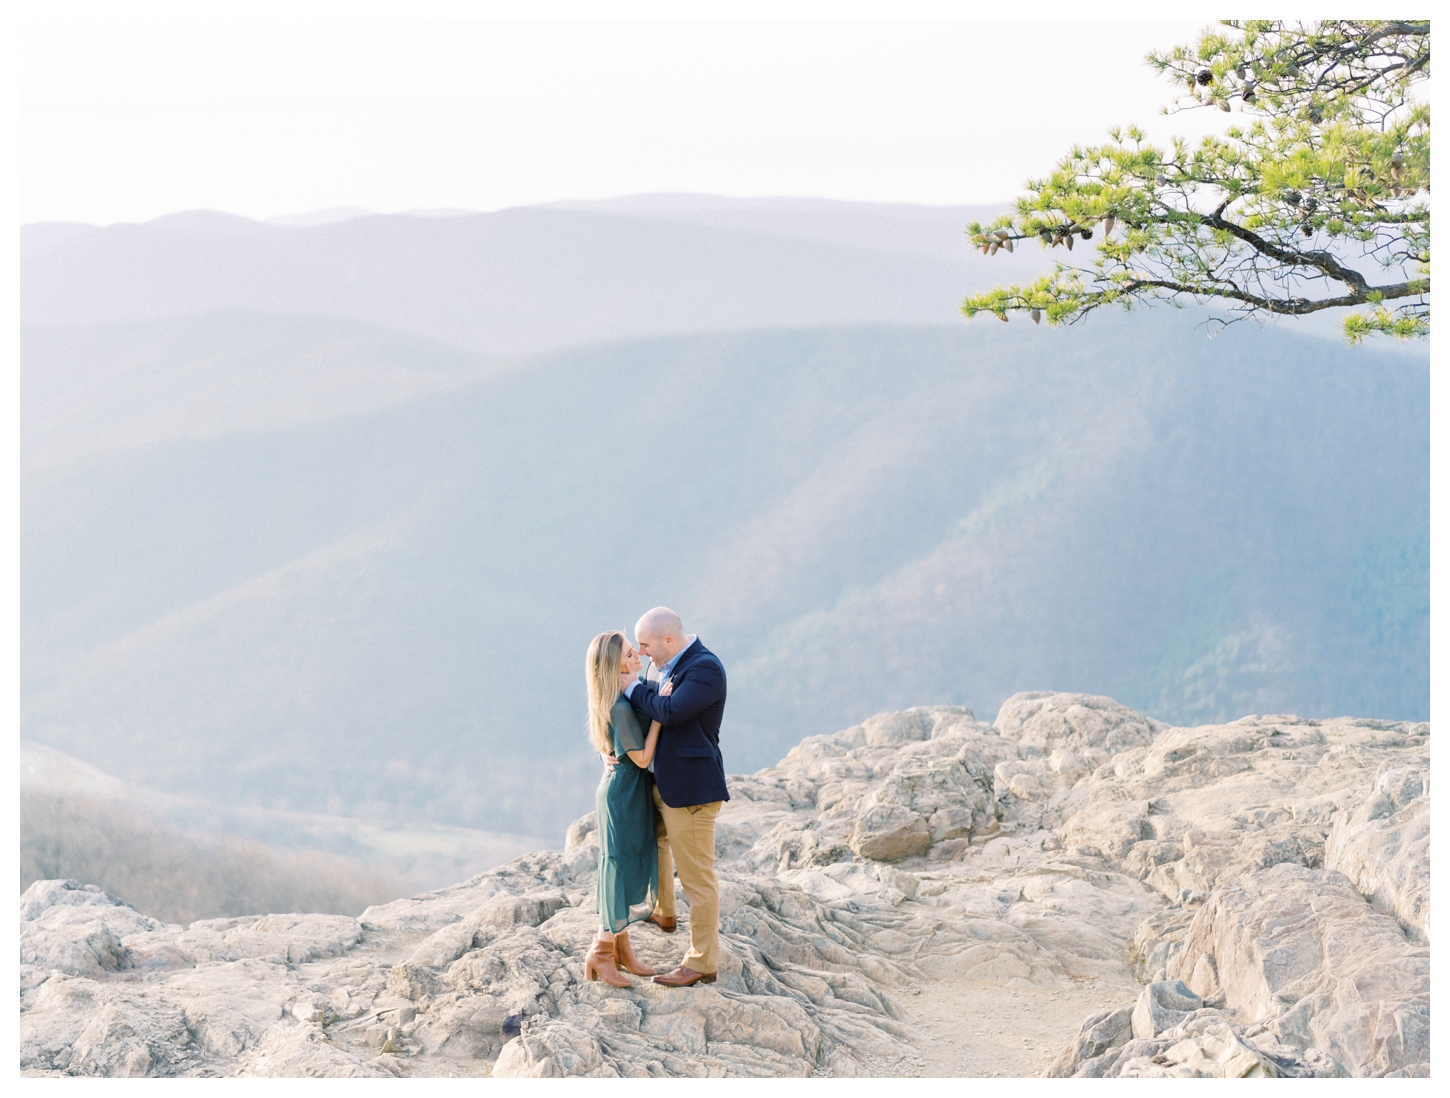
x: 599, y: 965
x: 625, y: 958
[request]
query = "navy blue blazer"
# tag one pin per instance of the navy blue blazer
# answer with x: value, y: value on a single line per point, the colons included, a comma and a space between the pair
x: 689, y: 768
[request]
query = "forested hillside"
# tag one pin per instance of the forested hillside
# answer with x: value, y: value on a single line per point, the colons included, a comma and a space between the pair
x: 373, y: 598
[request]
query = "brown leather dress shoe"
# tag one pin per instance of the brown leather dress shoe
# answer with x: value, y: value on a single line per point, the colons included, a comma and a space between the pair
x: 664, y: 922
x: 685, y: 977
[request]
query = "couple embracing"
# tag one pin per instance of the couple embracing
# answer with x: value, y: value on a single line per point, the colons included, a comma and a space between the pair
x: 663, y: 785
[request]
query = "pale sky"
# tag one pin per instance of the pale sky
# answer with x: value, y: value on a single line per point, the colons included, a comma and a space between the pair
x: 128, y: 120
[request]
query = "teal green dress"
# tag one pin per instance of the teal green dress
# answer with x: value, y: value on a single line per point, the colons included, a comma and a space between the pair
x: 629, y: 865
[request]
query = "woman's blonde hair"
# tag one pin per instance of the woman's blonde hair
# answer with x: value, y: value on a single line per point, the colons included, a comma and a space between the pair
x: 601, y: 682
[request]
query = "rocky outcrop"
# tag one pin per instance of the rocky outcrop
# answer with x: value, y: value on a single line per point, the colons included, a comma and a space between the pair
x: 1383, y: 846
x: 1300, y: 951
x: 1245, y: 899
x: 1171, y: 1033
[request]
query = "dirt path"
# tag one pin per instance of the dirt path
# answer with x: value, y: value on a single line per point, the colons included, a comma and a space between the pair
x: 979, y: 1030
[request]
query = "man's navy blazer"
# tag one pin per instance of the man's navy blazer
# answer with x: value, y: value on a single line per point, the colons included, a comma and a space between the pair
x: 689, y: 768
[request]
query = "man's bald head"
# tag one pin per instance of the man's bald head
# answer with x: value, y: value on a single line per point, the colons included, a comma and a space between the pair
x: 659, y: 622
x: 659, y: 634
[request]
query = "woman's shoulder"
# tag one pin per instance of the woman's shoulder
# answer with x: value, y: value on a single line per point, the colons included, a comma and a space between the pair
x: 621, y: 705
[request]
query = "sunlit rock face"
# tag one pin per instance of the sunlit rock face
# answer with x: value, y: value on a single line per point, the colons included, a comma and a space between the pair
x: 1249, y: 899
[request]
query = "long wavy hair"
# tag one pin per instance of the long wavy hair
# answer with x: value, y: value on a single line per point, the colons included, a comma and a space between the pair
x: 601, y: 682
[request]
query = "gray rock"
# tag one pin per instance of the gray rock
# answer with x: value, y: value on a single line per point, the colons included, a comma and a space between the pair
x: 1105, y: 1030
x: 1212, y: 1049
x: 1076, y: 841
x: 1383, y: 845
x: 1083, y: 725
x: 910, y: 726
x: 1163, y: 1006
x: 580, y: 832
x: 445, y: 946
x: 890, y: 833
x: 43, y: 895
x: 78, y: 1026
x: 506, y: 912
x: 925, y: 800
x: 1301, y: 952
x: 226, y: 1022
x: 1158, y: 940
x: 77, y: 929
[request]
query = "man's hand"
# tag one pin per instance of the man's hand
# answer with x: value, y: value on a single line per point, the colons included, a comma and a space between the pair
x: 625, y: 678
x: 609, y: 760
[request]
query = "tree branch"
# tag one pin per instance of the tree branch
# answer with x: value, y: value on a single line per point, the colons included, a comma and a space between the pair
x: 1323, y: 261
x: 1293, y: 306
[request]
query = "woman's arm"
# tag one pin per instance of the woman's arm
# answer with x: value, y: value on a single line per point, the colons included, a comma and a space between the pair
x: 643, y: 757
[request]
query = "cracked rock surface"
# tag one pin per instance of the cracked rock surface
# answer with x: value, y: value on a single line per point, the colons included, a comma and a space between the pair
x: 1240, y: 900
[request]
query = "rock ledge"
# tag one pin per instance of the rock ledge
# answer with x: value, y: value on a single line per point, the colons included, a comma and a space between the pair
x: 1249, y: 899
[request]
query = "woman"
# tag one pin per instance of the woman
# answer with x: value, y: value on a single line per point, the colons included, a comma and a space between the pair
x: 628, y: 853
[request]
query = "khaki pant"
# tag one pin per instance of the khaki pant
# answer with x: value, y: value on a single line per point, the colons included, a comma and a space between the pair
x: 687, y: 843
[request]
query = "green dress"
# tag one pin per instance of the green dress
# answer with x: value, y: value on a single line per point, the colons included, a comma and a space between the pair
x: 628, y: 852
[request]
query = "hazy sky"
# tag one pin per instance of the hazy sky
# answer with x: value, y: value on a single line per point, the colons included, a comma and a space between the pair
x: 126, y: 120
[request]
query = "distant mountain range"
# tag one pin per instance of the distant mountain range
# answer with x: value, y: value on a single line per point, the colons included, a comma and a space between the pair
x: 530, y: 279
x: 322, y: 518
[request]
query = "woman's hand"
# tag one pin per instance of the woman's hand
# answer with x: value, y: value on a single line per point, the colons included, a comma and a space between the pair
x: 667, y: 689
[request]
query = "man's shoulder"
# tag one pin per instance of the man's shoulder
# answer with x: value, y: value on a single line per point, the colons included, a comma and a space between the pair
x: 700, y: 655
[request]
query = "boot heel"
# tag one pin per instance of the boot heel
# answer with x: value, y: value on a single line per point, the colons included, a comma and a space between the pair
x: 599, y: 965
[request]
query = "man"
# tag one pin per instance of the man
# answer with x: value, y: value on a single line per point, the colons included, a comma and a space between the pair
x: 688, y: 701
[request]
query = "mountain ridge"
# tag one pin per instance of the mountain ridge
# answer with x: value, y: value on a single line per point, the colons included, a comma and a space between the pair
x: 835, y: 472
x: 523, y: 280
